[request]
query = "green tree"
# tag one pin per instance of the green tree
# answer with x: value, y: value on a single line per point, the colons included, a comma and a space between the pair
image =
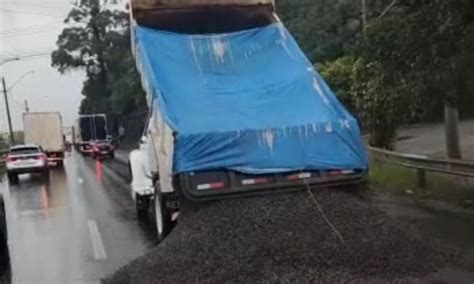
x: 339, y: 76
x: 421, y: 50
x: 97, y: 41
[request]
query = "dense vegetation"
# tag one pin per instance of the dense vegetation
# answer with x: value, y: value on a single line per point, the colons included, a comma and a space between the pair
x: 97, y: 41
x: 390, y: 63
x: 409, y: 60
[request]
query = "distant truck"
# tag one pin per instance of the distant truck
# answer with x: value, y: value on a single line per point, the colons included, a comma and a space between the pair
x: 91, y: 136
x: 45, y: 129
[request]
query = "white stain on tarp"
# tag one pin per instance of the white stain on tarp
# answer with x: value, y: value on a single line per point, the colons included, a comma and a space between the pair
x: 347, y: 123
x: 283, y: 39
x: 269, y: 139
x: 193, y: 50
x: 219, y: 48
x: 283, y: 130
x: 315, y: 128
x: 328, y: 127
x: 341, y: 123
x: 319, y: 90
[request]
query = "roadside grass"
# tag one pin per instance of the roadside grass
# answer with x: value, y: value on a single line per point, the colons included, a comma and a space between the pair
x: 395, y: 179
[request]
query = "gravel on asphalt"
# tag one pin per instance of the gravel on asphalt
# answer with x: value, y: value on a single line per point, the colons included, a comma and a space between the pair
x: 284, y: 238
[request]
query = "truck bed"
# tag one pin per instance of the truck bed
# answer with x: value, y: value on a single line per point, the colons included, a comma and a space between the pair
x: 181, y: 4
x: 44, y: 129
x: 203, y: 16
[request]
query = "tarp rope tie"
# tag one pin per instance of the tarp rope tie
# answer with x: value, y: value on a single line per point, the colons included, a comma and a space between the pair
x: 320, y: 209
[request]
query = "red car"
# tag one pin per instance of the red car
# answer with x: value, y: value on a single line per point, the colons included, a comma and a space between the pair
x: 103, y: 148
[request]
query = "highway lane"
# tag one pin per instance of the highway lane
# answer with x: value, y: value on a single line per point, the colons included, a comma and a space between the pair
x: 77, y: 228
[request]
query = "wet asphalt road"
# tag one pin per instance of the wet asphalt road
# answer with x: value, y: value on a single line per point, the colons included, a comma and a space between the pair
x: 77, y: 228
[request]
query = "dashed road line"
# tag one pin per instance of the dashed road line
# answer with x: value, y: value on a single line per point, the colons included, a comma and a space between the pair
x: 97, y: 243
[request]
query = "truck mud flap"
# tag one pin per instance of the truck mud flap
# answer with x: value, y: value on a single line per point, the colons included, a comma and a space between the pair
x: 217, y: 185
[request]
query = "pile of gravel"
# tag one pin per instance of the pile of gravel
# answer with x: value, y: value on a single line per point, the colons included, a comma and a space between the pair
x: 284, y: 238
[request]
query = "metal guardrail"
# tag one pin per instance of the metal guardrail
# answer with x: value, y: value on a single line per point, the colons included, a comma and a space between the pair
x: 423, y: 164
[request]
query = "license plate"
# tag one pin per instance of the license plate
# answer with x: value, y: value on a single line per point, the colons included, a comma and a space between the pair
x: 104, y: 152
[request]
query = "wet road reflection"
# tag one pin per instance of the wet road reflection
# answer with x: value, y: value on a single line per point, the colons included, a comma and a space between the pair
x: 77, y: 227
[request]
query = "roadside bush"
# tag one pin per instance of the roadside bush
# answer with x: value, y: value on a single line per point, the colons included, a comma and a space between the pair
x: 339, y: 76
x: 378, y: 107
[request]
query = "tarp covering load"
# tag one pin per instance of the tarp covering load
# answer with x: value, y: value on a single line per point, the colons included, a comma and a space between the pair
x: 248, y: 101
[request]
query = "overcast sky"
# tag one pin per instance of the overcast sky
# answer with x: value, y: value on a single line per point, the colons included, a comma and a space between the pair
x: 31, y: 27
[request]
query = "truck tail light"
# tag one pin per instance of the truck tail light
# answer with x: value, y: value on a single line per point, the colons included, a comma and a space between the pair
x: 252, y: 181
x: 10, y: 158
x: 299, y: 176
x: 42, y: 157
x: 212, y: 185
x: 340, y: 172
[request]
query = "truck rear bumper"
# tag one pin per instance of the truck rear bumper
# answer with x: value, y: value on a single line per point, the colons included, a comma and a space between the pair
x: 55, y: 156
x: 195, y: 190
x: 28, y: 170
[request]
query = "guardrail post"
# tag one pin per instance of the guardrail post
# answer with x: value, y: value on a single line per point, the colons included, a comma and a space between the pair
x: 421, y: 175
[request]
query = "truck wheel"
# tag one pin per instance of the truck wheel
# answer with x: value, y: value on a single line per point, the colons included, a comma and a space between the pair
x: 45, y: 174
x: 112, y: 155
x: 162, y: 216
x: 130, y: 174
x: 3, y: 218
x: 3, y: 232
x: 12, y: 178
x: 60, y: 163
x: 142, y: 204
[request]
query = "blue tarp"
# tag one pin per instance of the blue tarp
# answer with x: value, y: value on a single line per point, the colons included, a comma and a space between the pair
x: 248, y: 101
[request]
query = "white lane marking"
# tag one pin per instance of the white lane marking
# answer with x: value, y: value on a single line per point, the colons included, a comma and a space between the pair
x: 97, y: 244
x: 80, y: 180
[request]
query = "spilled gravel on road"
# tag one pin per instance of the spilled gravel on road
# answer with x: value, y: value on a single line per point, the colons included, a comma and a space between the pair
x: 284, y: 238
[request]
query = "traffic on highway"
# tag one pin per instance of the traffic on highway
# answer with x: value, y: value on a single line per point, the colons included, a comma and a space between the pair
x: 234, y: 141
x: 76, y: 227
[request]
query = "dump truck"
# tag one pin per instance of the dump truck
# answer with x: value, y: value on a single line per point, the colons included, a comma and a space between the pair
x: 45, y: 129
x: 236, y: 107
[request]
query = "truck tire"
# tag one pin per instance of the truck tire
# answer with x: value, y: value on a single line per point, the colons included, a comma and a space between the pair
x: 112, y: 155
x: 3, y: 233
x: 12, y: 178
x: 142, y: 204
x: 129, y: 172
x: 3, y: 218
x: 162, y: 213
x: 60, y: 164
x: 45, y: 174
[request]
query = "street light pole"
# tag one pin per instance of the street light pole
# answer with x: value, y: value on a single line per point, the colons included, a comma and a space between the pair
x: 7, y: 106
x: 364, y: 14
x: 12, y: 139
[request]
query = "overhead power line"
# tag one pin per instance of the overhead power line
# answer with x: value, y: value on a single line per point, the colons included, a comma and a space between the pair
x: 31, y: 13
x: 29, y: 28
x: 28, y: 33
x: 56, y: 6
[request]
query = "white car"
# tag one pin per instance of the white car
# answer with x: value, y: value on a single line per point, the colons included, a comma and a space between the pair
x: 23, y: 159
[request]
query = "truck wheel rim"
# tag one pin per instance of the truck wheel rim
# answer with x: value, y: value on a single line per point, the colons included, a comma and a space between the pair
x: 159, y: 215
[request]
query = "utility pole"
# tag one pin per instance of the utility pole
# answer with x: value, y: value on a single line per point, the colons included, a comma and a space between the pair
x: 12, y: 139
x: 364, y: 14
x: 27, y: 109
